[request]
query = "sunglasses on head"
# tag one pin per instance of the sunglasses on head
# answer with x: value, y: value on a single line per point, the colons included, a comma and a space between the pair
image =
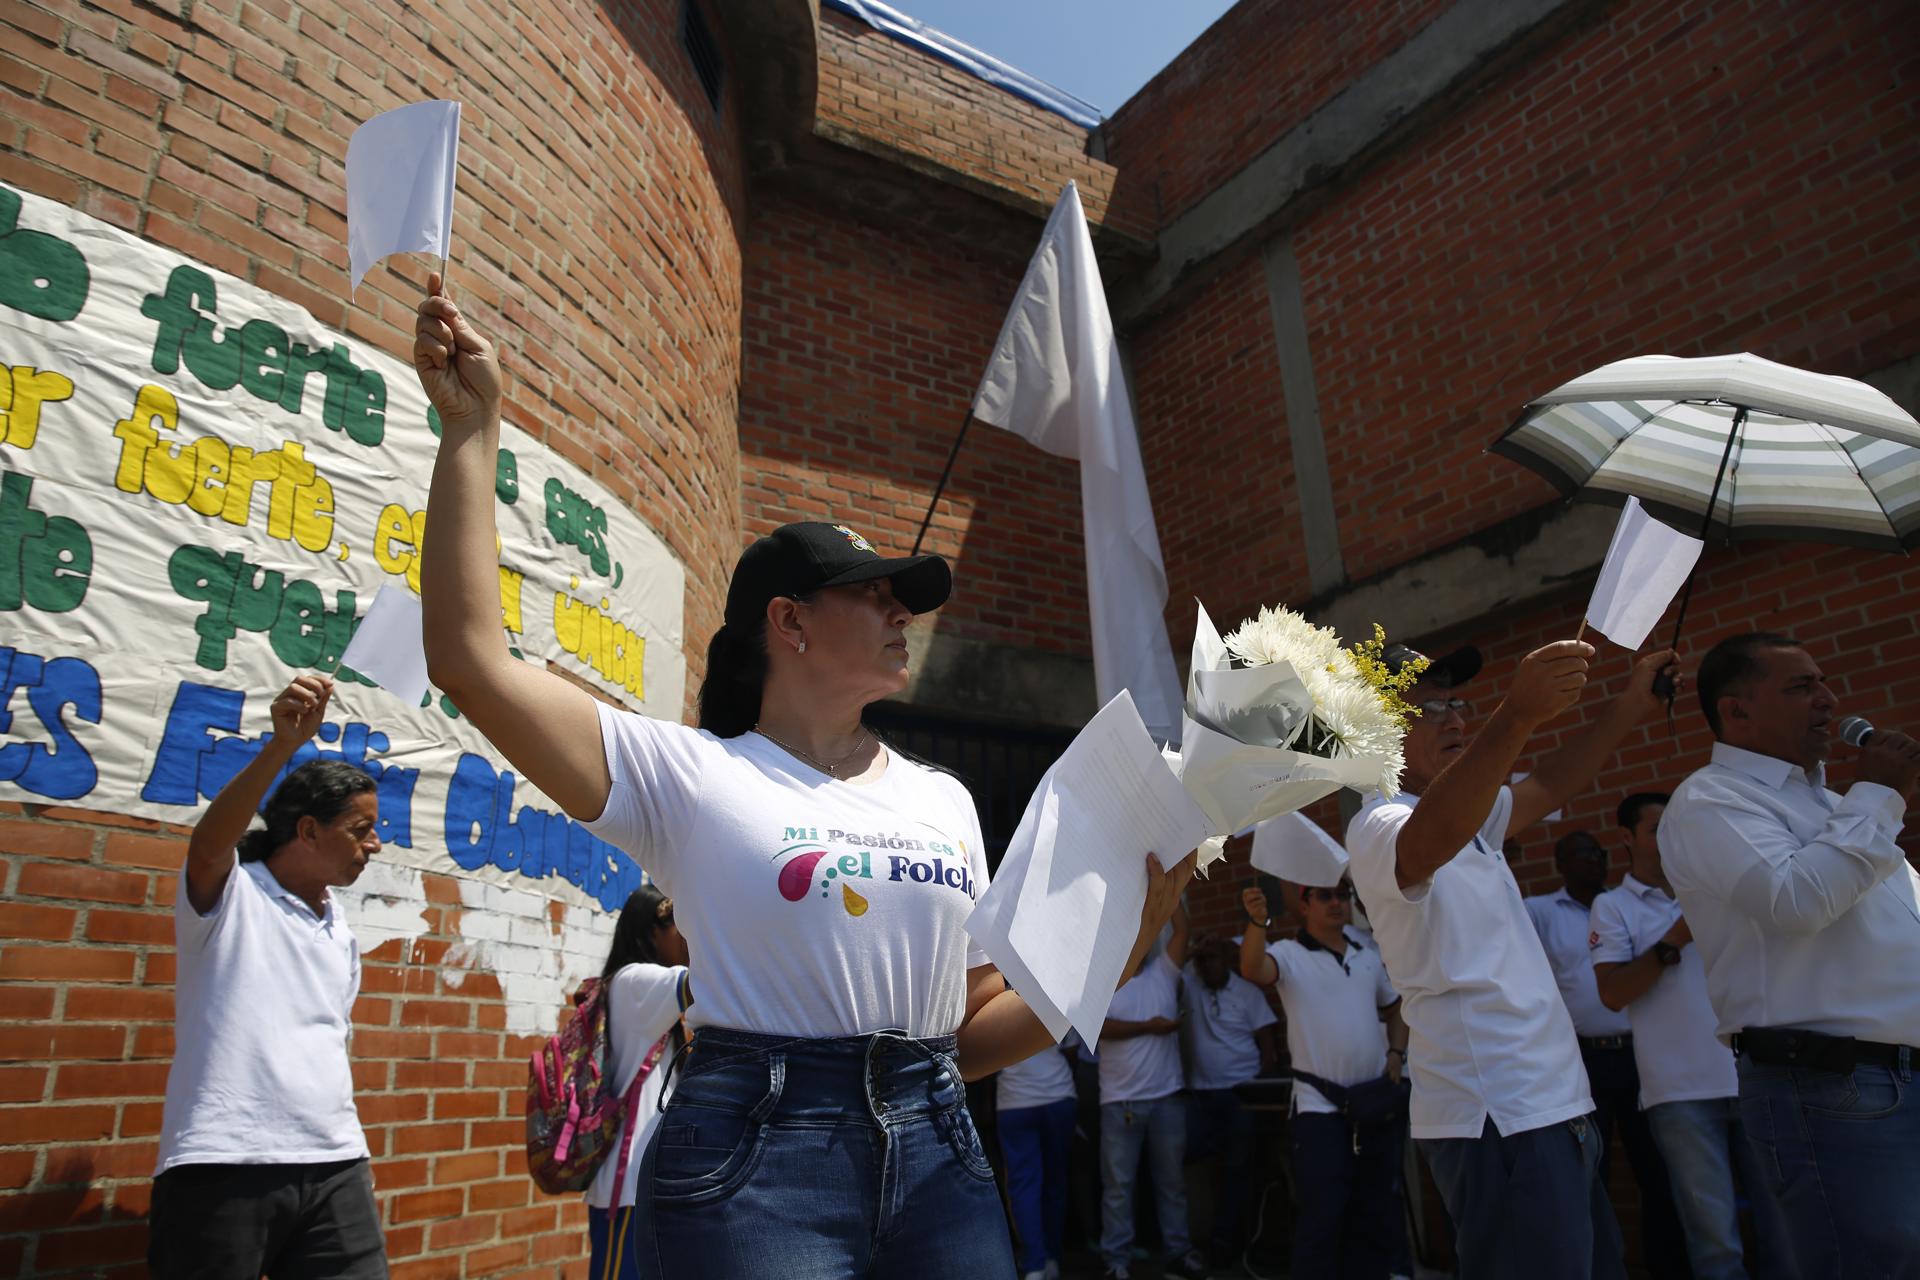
x: 1339, y: 893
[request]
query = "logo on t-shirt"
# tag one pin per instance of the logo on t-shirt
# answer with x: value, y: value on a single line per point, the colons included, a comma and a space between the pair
x: 809, y: 867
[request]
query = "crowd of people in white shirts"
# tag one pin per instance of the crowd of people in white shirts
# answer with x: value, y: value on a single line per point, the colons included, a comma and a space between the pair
x: 811, y: 1122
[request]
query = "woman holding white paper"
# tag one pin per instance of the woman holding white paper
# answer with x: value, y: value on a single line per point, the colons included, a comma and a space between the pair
x: 819, y: 1128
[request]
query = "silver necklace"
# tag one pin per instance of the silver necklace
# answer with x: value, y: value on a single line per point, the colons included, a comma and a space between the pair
x: 830, y: 768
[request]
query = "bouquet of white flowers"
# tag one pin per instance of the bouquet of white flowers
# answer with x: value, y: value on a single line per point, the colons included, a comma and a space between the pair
x: 1279, y: 714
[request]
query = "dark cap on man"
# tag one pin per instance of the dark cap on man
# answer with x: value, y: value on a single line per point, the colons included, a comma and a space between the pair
x: 799, y: 559
x: 1450, y: 672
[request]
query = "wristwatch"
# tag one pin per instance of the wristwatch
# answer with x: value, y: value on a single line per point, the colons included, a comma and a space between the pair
x: 1666, y: 953
x: 1261, y: 924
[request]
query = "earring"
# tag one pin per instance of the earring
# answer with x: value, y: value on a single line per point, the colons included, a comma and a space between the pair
x: 803, y: 646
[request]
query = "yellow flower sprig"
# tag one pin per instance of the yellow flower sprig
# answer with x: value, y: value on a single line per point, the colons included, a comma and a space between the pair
x: 1389, y: 685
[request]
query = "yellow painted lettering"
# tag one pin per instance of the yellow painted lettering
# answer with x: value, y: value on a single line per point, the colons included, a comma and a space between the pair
x: 137, y: 434
x: 313, y: 514
x: 23, y: 389
x: 510, y: 580
x: 246, y: 470
x: 211, y: 460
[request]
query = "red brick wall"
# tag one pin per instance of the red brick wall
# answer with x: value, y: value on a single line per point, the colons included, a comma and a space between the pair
x: 863, y: 350
x: 596, y: 237
x: 877, y: 92
x: 1213, y: 436
x: 1252, y: 77
x: 1743, y: 195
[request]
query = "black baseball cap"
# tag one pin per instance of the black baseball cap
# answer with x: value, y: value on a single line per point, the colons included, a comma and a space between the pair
x: 799, y: 559
x: 1450, y: 672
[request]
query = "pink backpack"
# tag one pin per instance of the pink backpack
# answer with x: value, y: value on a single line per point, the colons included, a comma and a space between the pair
x: 573, y: 1115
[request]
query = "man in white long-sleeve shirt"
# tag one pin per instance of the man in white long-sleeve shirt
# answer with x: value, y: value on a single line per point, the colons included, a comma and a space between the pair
x: 1808, y: 917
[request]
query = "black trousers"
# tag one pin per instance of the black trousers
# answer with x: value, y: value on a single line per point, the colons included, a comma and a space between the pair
x: 288, y: 1221
x: 1615, y: 1081
x: 1348, y: 1214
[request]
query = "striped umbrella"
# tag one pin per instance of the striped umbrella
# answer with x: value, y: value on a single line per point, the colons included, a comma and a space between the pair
x: 1736, y: 444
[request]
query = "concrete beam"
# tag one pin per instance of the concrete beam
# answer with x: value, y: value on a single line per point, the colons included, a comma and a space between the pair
x: 1546, y: 550
x: 1312, y: 481
x: 980, y: 680
x: 1410, y: 88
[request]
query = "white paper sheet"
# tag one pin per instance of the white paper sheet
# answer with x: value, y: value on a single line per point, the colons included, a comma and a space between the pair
x: 1293, y: 847
x: 1063, y: 911
x: 400, y: 170
x: 389, y: 646
x: 1646, y: 566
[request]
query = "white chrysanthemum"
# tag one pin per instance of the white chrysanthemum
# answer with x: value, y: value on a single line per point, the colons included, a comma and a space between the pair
x: 1281, y: 635
x: 1351, y: 710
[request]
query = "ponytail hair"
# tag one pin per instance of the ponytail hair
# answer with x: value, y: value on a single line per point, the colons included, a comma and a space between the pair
x: 634, y: 943
x: 318, y: 789
x: 736, y: 676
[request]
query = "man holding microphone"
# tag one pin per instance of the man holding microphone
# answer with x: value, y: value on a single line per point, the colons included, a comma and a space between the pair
x: 1807, y: 915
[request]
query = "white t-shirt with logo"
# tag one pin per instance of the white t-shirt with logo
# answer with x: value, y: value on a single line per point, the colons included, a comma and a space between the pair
x: 811, y: 906
x: 1488, y: 1033
x: 643, y: 1005
x: 1675, y: 1046
x: 1044, y: 1078
x: 1142, y: 1068
x: 1333, y: 1005
x: 1220, y: 1026
x: 262, y: 1007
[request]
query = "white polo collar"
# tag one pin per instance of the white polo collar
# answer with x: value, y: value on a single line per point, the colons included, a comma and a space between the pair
x: 1770, y: 770
x: 271, y: 886
x: 1640, y: 888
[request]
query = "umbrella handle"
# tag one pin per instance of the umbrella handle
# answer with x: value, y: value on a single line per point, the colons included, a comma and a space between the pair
x: 1663, y: 685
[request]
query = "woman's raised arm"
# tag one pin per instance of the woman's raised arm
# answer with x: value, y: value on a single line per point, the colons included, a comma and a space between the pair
x: 547, y: 729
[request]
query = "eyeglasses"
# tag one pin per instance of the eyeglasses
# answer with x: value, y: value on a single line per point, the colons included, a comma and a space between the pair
x: 1440, y: 706
x: 1339, y: 893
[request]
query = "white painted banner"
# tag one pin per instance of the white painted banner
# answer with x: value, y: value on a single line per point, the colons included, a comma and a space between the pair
x: 201, y: 490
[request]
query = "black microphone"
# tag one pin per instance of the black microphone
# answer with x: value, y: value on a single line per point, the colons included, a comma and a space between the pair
x: 1854, y: 731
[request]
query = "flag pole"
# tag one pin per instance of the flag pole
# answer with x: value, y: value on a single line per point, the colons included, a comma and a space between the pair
x: 945, y: 474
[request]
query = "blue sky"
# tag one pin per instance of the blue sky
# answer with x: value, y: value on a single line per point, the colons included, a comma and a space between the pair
x: 1101, y: 51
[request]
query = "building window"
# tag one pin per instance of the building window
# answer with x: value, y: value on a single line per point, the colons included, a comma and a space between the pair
x: 703, y: 49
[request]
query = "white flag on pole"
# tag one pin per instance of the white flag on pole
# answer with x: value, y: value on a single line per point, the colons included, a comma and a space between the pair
x: 1645, y: 568
x: 389, y: 646
x: 400, y: 168
x: 1055, y: 379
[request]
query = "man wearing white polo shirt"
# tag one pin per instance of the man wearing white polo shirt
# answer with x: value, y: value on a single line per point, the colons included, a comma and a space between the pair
x: 1346, y: 1151
x: 263, y: 1164
x: 1807, y: 916
x: 1606, y: 1045
x: 1643, y: 963
x: 1230, y: 1040
x: 1500, y: 1099
x: 1140, y: 1105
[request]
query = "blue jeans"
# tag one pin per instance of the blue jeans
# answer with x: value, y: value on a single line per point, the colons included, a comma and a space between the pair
x: 1348, y: 1217
x: 1036, y: 1142
x: 1840, y: 1155
x: 1161, y: 1125
x: 795, y: 1159
x: 1704, y: 1143
x: 1529, y: 1204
